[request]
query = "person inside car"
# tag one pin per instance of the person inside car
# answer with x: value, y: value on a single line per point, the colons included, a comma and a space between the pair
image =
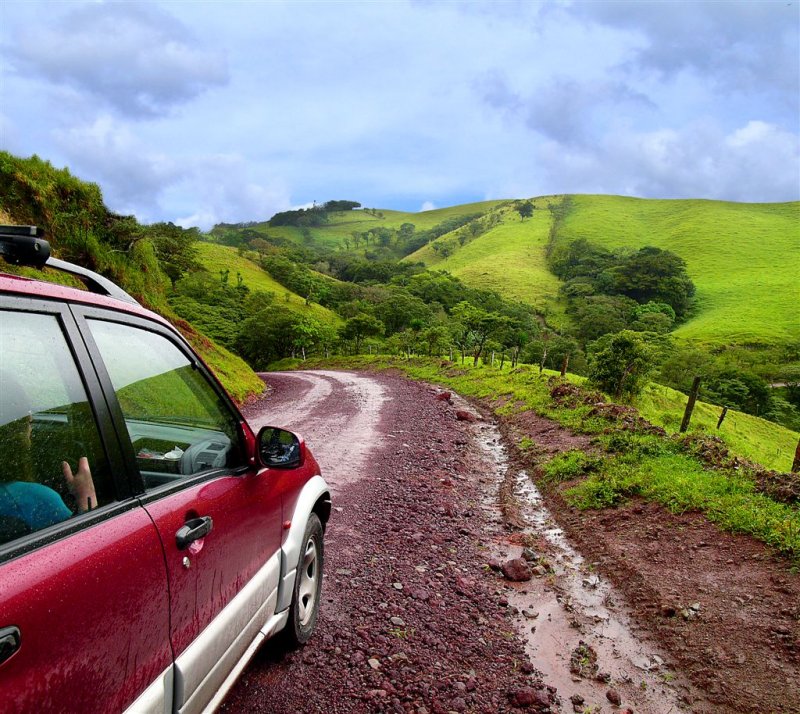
x: 25, y: 505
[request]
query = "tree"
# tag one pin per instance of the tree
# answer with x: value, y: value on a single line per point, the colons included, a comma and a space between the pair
x: 397, y: 308
x: 436, y: 339
x: 305, y: 334
x: 359, y: 327
x: 519, y: 332
x: 262, y: 247
x: 601, y: 314
x: 549, y: 350
x: 653, y: 322
x: 580, y: 259
x: 682, y: 366
x: 739, y: 389
x: 268, y: 336
x: 341, y: 205
x: 405, y: 233
x: 525, y: 209
x: 652, y: 274
x: 480, y: 326
x: 621, y: 363
x: 175, y: 248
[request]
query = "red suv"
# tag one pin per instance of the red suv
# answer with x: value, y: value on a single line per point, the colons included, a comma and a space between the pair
x: 149, y: 540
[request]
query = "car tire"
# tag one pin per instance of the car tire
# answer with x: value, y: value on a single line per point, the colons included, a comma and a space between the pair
x: 304, y: 609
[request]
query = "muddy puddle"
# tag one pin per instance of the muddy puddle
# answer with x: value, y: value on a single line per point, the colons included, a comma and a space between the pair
x: 575, y: 628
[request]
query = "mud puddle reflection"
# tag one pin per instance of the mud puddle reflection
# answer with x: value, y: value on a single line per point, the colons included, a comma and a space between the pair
x: 574, y: 626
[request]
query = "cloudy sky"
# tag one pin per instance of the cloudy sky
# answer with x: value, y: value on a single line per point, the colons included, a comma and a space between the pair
x: 200, y: 112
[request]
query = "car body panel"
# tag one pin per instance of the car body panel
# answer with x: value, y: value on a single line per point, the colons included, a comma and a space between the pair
x: 208, y: 654
x: 92, y: 609
x: 246, y: 535
x: 157, y: 698
x: 297, y: 506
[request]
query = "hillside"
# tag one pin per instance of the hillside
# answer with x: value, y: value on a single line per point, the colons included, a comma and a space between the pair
x: 340, y: 225
x: 219, y: 257
x: 509, y: 258
x: 744, y: 258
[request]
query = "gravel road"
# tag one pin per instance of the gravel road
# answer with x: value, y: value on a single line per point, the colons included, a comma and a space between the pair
x: 411, y: 620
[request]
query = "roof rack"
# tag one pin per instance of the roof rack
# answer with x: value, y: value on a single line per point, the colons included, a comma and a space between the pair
x: 24, y: 245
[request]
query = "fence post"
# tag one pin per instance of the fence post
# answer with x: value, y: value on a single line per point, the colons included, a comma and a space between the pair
x: 687, y: 415
x: 722, y: 416
x: 564, y: 365
x: 796, y: 463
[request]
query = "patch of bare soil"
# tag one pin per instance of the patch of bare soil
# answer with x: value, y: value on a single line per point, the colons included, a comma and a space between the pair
x: 412, y: 619
x: 724, y: 607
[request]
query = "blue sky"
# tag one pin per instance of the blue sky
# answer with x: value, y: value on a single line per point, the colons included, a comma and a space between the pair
x: 201, y: 112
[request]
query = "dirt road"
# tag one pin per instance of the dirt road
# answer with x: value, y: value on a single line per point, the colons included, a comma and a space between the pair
x: 419, y: 612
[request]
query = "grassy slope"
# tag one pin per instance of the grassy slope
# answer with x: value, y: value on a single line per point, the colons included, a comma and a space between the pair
x: 510, y: 258
x: 743, y: 258
x: 757, y: 440
x: 219, y: 257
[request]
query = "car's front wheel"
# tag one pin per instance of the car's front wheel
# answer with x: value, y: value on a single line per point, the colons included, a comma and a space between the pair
x: 304, y: 609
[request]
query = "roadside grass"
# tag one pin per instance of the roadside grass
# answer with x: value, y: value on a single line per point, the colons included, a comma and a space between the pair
x: 568, y: 466
x: 632, y: 463
x: 758, y: 440
x: 680, y: 484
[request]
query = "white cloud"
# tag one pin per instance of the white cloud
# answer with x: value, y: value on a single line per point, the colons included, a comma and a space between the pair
x: 199, y: 189
x: 132, y: 57
x: 756, y: 162
x: 428, y: 206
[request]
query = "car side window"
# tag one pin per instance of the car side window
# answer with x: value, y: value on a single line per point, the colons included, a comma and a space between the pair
x: 52, y: 462
x: 177, y: 422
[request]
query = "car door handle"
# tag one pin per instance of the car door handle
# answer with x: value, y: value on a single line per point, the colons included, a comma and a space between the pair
x: 193, y: 530
x: 9, y: 642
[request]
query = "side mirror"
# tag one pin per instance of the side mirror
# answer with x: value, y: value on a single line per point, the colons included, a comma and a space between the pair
x: 280, y: 449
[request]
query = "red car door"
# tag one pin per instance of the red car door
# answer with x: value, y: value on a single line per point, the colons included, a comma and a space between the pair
x: 84, y: 610
x: 218, y: 517
x: 90, y: 611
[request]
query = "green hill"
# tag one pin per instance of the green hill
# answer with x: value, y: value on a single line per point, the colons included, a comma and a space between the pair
x: 341, y: 224
x: 215, y: 257
x: 744, y: 258
x: 509, y: 258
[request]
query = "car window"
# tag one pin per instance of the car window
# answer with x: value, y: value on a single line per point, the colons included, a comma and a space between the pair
x: 178, y: 424
x: 45, y: 422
